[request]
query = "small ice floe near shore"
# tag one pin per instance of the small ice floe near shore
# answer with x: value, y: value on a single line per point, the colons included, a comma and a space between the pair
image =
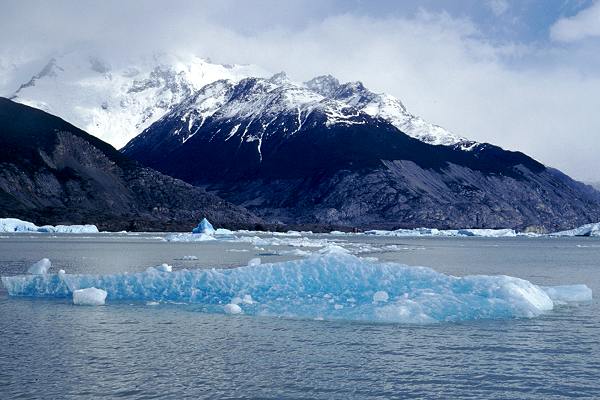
x: 494, y: 233
x: 89, y: 297
x: 16, y: 225
x: 584, y: 230
x: 330, y: 284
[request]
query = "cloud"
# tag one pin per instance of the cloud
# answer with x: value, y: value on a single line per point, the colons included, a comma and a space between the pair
x: 498, y: 7
x: 537, y: 99
x: 582, y: 25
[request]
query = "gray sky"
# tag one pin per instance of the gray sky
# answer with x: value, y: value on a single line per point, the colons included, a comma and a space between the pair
x: 521, y: 74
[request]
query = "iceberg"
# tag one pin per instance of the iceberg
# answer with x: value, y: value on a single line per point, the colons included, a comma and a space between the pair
x: 204, y: 227
x: 316, y: 287
x: 16, y: 225
x: 584, y: 230
x: 89, y: 297
x: 41, y: 267
x: 495, y: 233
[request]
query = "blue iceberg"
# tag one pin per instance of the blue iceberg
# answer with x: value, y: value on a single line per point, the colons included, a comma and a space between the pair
x: 332, y: 285
x: 204, y: 227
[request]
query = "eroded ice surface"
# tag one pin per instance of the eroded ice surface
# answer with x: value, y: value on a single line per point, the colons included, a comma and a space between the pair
x: 329, y: 285
x: 89, y: 297
x: 16, y: 225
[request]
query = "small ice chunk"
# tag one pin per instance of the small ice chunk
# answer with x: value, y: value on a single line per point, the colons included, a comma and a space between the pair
x: 89, y: 297
x: 232, y: 309
x: 338, y: 306
x: 236, y: 300
x: 189, y: 258
x: 41, y: 267
x: 165, y: 268
x: 247, y: 299
x: 569, y: 293
x: 152, y: 303
x: 62, y: 271
x: 254, y: 261
x: 333, y: 249
x: 380, y: 296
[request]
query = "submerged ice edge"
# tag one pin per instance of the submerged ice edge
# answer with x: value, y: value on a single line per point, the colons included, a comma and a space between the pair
x: 329, y: 286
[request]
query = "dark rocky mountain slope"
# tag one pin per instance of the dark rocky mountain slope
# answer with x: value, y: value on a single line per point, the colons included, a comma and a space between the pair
x: 52, y: 172
x: 329, y: 153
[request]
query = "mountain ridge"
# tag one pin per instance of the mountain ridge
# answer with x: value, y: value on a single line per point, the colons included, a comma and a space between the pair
x: 289, y: 153
x: 52, y: 172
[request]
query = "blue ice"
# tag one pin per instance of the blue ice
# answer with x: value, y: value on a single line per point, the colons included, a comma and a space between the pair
x: 323, y: 286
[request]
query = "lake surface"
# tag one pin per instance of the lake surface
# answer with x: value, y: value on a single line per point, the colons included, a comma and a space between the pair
x: 50, y: 348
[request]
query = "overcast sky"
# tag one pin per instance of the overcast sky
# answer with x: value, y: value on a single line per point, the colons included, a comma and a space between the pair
x: 522, y: 74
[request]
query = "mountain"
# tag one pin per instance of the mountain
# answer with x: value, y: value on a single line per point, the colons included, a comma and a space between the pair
x: 110, y: 98
x: 324, y: 152
x: 52, y: 172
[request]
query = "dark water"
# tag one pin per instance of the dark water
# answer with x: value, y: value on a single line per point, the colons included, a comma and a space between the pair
x: 52, y: 349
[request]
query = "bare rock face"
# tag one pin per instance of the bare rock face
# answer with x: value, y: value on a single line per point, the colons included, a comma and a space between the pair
x: 52, y: 172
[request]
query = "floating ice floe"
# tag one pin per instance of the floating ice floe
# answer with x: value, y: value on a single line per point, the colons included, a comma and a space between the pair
x: 585, y: 230
x: 89, y: 297
x: 312, y: 287
x: 449, y: 232
x: 254, y: 261
x: 40, y: 267
x: 16, y: 225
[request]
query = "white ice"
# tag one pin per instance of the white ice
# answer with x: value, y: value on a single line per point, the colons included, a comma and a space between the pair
x: 232, y: 309
x: 17, y: 225
x: 89, y: 297
x: 40, y: 267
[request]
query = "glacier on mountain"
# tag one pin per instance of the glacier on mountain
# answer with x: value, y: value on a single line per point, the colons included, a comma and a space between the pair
x: 116, y: 99
x: 258, y: 103
x: 328, y: 285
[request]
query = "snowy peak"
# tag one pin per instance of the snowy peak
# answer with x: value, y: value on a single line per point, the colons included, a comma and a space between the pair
x: 262, y: 101
x: 116, y: 99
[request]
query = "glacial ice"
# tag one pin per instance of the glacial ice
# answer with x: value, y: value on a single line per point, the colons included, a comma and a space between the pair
x: 254, y: 261
x: 89, y: 297
x: 448, y: 232
x: 232, y: 308
x: 204, y: 227
x: 16, y: 225
x: 584, y: 230
x: 40, y: 267
x: 569, y: 293
x: 316, y: 286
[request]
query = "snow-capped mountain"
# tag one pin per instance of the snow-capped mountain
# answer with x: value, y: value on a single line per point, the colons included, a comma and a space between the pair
x: 258, y: 102
x: 322, y: 152
x: 115, y: 100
